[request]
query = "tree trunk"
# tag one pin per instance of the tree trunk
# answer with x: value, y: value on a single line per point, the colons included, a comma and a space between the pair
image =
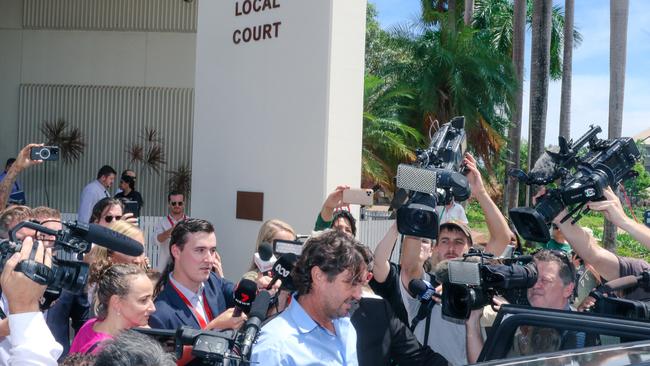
x: 451, y: 16
x: 539, y: 75
x: 565, y: 99
x: 514, y: 132
x: 469, y: 12
x: 618, y: 15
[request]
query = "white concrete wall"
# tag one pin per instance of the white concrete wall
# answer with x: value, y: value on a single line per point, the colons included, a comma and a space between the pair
x: 83, y: 58
x: 281, y: 116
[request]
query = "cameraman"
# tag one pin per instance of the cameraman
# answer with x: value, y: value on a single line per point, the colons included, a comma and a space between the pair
x: 454, y: 239
x: 609, y: 265
x: 30, y: 339
x: 553, y: 289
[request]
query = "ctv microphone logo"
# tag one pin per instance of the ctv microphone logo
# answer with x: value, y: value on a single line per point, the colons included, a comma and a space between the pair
x: 245, y: 298
x: 281, y: 271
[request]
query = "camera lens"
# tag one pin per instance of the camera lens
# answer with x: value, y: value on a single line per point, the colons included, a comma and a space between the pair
x: 421, y: 219
x: 45, y: 153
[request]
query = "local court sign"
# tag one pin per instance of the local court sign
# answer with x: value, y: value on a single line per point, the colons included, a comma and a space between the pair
x: 279, y: 105
x: 259, y: 32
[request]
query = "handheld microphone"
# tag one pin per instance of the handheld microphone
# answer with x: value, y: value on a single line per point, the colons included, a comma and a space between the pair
x: 257, y: 315
x: 105, y: 237
x: 244, y: 295
x: 264, y: 258
x: 423, y: 290
x: 282, y: 270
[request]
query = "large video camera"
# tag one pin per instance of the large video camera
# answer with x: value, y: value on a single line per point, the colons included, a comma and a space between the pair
x: 583, y: 177
x: 74, y: 238
x: 608, y: 303
x: 435, y: 178
x: 470, y: 283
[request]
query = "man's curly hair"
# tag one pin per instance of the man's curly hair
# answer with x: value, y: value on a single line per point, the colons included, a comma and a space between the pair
x: 333, y: 252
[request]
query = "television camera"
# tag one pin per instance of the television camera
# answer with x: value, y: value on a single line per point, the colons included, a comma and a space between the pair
x: 435, y: 178
x: 583, y: 176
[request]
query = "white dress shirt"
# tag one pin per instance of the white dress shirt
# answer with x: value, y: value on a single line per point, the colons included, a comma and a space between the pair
x: 31, y: 341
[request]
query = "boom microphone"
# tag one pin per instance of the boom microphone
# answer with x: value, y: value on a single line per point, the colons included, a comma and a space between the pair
x: 264, y: 258
x: 621, y: 283
x: 282, y: 270
x: 105, y: 237
x: 257, y: 315
x: 244, y: 295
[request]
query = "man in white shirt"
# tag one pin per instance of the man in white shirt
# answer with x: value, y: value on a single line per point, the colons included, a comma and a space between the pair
x: 95, y: 191
x: 176, y: 202
x: 451, y: 211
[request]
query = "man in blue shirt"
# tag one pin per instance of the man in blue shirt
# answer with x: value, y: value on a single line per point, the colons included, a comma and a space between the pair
x: 315, y: 329
x: 95, y: 191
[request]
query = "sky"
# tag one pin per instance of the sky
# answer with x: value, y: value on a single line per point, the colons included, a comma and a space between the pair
x: 590, y: 82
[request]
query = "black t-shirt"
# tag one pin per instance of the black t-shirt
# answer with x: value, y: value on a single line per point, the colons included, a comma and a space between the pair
x: 132, y: 196
x: 633, y: 267
x: 390, y: 291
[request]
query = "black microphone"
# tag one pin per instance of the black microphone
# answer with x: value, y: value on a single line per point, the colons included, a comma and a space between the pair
x: 257, y: 315
x: 105, y: 237
x: 282, y: 270
x: 264, y: 258
x: 422, y: 289
x: 244, y: 295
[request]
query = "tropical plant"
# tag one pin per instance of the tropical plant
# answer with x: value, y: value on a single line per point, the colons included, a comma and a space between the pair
x: 148, y: 151
x: 386, y: 140
x: 495, y: 20
x: 180, y: 180
x: 69, y: 139
x: 452, y: 74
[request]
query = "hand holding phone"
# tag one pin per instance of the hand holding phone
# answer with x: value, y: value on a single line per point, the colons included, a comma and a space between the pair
x: 358, y: 196
x: 46, y: 153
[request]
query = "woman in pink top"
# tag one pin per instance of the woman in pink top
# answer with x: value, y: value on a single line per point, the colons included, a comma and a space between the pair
x: 123, y: 300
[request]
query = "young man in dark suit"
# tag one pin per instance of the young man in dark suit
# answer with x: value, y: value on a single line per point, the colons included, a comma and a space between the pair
x: 188, y: 292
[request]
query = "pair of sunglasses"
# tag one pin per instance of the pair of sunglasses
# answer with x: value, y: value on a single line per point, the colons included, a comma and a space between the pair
x: 110, y: 218
x: 174, y: 203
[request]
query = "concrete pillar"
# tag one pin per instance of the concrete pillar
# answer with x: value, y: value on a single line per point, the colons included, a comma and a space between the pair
x: 279, y: 99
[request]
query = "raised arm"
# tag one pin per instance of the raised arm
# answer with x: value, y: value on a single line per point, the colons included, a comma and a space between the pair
x: 613, y: 211
x: 332, y: 202
x: 382, y: 254
x: 585, y: 245
x: 22, y: 162
x: 500, y: 233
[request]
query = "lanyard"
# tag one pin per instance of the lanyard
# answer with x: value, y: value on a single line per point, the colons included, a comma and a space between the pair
x: 202, y: 323
x: 172, y: 222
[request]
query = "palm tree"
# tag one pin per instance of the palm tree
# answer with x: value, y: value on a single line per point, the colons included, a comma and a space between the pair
x: 469, y: 12
x: 495, y: 20
x: 514, y: 131
x: 539, y: 77
x: 457, y: 73
x: 618, y: 15
x: 386, y: 141
x: 565, y: 98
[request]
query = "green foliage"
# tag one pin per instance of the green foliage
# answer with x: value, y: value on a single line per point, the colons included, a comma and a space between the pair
x: 638, y: 187
x: 494, y: 20
x: 386, y: 140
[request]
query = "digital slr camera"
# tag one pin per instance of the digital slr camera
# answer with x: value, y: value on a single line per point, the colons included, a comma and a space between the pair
x: 583, y: 175
x: 435, y: 178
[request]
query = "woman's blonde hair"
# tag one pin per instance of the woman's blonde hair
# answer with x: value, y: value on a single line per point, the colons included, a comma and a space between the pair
x: 268, y: 230
x: 100, y: 256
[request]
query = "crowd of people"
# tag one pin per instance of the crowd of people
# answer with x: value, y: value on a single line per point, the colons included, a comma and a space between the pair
x: 345, y: 306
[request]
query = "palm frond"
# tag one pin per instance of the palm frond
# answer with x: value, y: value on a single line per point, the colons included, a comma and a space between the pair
x: 180, y: 180
x: 155, y: 157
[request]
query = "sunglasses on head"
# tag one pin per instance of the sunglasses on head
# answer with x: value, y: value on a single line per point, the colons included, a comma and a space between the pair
x: 174, y: 203
x: 110, y: 218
